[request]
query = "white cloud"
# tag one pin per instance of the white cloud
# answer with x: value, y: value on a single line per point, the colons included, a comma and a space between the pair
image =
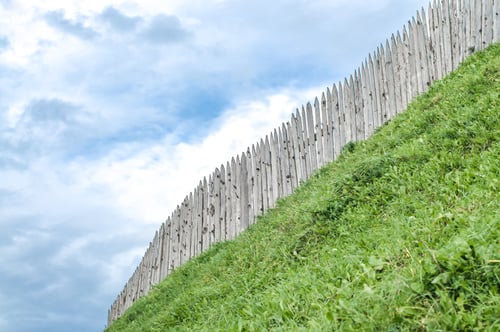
x: 149, y: 182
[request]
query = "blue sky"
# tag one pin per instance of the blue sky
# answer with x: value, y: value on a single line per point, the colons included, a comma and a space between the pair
x: 112, y: 111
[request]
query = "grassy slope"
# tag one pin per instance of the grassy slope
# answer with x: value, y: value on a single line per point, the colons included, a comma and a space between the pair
x: 401, y: 233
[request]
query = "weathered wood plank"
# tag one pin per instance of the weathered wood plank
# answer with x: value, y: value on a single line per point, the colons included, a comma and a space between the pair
x: 191, y: 221
x: 454, y: 42
x: 342, y: 116
x: 417, y: 85
x: 318, y: 133
x: 384, y: 85
x: 172, y: 245
x: 197, y: 227
x: 223, y: 203
x: 234, y: 201
x: 216, y: 231
x: 423, y: 42
x: 446, y: 37
x: 370, y: 101
x: 397, y: 74
x: 473, y: 39
x: 496, y: 21
x: 166, y: 245
x: 412, y: 76
x: 311, y: 138
x: 428, y: 52
x: 250, y: 187
x: 229, y: 202
x: 258, y: 180
x: 336, y: 127
x: 433, y: 42
x: 488, y: 18
x: 377, y: 70
x: 245, y: 205
x: 305, y: 138
x: 366, y: 107
x: 461, y: 38
x: 350, y: 116
x: 163, y: 261
x: 391, y: 88
x: 330, y: 111
x: 283, y: 155
x: 291, y: 172
x: 236, y: 170
x: 359, y: 121
x: 295, y: 158
x: 263, y: 178
x: 374, y: 100
x: 441, y: 63
x: 327, y: 128
x: 184, y: 254
x: 269, y: 173
x: 211, y: 210
x: 176, y: 230
x: 274, y: 147
x: 205, y: 240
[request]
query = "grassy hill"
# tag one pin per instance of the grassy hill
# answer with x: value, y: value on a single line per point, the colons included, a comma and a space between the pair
x: 401, y: 233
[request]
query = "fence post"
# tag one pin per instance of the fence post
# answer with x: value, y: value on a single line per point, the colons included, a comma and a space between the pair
x: 326, y: 129
x: 274, y: 148
x: 305, y: 142
x: 488, y: 20
x: 233, y: 221
x: 184, y: 231
x: 496, y: 21
x: 199, y: 219
x: 303, y: 156
x: 164, y: 249
x: 365, y: 102
x: 359, y: 118
x: 216, y: 230
x: 205, y: 241
x: 223, y: 202
x: 250, y: 187
x: 258, y: 181
x: 294, y: 162
x: 244, y: 193
x: 236, y: 170
x: 318, y: 129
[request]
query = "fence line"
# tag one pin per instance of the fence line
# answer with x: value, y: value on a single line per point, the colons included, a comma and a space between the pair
x: 431, y: 45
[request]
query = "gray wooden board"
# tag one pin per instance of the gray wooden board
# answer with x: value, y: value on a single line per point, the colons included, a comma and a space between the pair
x: 305, y: 138
x: 327, y: 128
x: 274, y: 146
x: 250, y: 187
x: 337, y: 133
x: 318, y: 130
x: 341, y: 116
x: 245, y: 205
x: 488, y: 18
x: 236, y: 166
x: 223, y: 203
x: 294, y: 160
x: 205, y: 242
x: 496, y: 21
x: 216, y: 231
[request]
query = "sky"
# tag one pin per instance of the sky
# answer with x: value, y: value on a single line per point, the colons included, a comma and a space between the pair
x: 112, y: 111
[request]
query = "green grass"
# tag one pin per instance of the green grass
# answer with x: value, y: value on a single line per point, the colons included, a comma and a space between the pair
x: 401, y: 233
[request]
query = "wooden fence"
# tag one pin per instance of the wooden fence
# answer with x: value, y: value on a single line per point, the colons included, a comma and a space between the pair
x: 431, y: 45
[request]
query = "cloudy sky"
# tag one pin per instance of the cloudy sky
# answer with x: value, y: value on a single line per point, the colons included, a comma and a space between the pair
x: 112, y: 111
